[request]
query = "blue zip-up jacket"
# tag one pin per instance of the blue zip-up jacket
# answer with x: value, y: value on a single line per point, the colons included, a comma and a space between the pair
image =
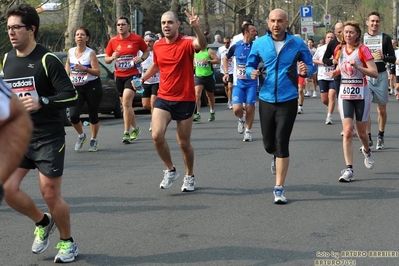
x: 281, y: 81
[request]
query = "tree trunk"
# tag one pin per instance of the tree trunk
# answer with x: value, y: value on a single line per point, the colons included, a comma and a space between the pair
x: 109, y: 22
x: 75, y: 18
x: 118, y: 9
x: 175, y: 6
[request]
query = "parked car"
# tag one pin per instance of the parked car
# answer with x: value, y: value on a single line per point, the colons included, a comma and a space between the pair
x: 110, y: 103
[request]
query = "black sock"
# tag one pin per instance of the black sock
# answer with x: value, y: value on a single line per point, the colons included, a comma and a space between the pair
x: 381, y: 133
x: 44, y: 222
x: 68, y: 240
x: 349, y: 166
x: 370, y: 136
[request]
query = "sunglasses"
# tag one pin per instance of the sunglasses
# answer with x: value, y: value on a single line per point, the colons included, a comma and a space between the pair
x: 121, y: 24
x: 226, y: 42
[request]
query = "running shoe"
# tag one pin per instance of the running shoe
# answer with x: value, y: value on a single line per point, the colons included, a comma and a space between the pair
x: 135, y: 133
x: 397, y: 96
x: 380, y: 143
x: 273, y: 165
x: 126, y: 138
x: 347, y: 175
x: 79, y: 142
x: 211, y: 116
x: 368, y: 158
x: 67, y: 252
x: 150, y: 128
x: 279, y: 197
x: 300, y: 109
x: 247, y: 137
x: 197, y: 117
x: 229, y: 105
x: 342, y: 133
x: 41, y: 242
x: 329, y: 121
x: 188, y: 183
x: 169, y: 176
x: 241, y: 126
x: 307, y: 94
x: 314, y: 95
x: 93, y: 145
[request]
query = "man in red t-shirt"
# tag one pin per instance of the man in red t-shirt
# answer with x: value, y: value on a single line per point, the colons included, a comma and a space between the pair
x: 173, y: 58
x: 124, y: 48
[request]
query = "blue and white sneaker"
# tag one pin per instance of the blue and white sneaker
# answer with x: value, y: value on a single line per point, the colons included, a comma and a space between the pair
x: 279, y: 197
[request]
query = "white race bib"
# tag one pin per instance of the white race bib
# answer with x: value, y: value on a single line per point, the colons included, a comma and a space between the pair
x: 241, y: 71
x: 125, y: 62
x: 351, y: 89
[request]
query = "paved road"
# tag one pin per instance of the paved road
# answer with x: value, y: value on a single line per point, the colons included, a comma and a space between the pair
x: 121, y: 217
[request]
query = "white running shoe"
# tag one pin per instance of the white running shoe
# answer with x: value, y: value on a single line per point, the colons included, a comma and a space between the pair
x: 307, y: 94
x: 41, y: 242
x: 68, y: 251
x: 329, y: 122
x: 169, y: 177
x: 368, y: 158
x: 241, y: 126
x: 347, y: 175
x: 314, y: 95
x: 188, y: 183
x: 380, y: 143
x: 247, y: 137
x: 300, y: 109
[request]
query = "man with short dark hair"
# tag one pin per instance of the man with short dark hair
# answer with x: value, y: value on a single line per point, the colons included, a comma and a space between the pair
x: 123, y: 49
x: 240, y: 36
x: 244, y: 90
x: 381, y: 48
x: 38, y: 77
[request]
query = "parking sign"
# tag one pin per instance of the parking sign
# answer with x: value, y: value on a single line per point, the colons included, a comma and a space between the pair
x: 306, y: 11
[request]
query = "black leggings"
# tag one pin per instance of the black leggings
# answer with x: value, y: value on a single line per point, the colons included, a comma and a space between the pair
x: 91, y: 93
x: 276, y: 122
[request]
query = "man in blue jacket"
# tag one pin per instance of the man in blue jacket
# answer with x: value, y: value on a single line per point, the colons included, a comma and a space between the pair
x: 284, y: 56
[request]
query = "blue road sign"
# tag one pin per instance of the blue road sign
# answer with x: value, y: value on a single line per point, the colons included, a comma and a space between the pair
x: 306, y: 11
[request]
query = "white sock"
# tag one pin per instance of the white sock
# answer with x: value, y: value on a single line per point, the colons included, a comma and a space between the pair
x: 81, y: 135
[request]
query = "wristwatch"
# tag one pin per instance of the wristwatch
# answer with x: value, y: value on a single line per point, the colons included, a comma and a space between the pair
x: 44, y: 101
